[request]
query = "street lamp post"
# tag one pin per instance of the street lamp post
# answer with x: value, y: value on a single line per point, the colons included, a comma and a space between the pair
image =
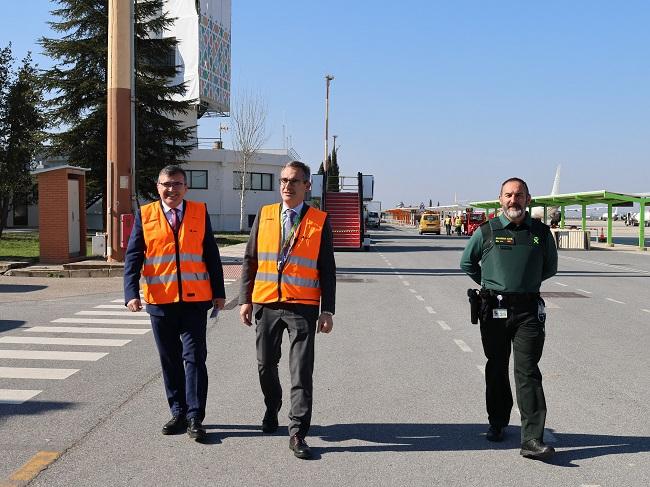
x: 328, y: 78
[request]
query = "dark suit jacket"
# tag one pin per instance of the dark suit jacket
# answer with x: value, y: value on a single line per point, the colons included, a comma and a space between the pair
x: 134, y: 260
x: 326, y: 266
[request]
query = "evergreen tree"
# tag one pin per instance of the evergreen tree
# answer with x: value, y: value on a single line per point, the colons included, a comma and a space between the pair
x: 77, y: 109
x: 333, y: 172
x: 21, y: 128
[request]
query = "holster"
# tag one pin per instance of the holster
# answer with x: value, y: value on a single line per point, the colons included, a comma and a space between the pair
x: 474, y: 304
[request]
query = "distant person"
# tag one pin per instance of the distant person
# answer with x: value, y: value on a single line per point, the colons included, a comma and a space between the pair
x: 173, y: 245
x: 289, y: 282
x: 510, y: 256
x: 448, y: 224
x: 458, y: 223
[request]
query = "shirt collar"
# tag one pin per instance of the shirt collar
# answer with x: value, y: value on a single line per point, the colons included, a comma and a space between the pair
x: 507, y: 223
x: 297, y: 209
x: 167, y: 208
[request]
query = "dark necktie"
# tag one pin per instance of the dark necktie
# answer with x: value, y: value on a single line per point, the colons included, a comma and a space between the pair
x: 175, y: 219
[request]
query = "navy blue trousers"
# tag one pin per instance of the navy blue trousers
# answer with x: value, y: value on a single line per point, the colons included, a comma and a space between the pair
x: 180, y: 338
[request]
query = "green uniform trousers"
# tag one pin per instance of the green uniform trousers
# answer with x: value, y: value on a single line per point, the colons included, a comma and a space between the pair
x: 523, y: 332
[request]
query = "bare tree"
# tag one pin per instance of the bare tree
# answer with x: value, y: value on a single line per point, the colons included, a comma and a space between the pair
x: 248, y: 116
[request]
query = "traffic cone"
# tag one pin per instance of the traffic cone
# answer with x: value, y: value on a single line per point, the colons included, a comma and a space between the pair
x: 601, y: 237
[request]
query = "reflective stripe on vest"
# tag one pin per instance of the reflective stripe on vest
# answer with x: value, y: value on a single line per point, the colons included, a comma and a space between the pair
x: 298, y: 281
x: 169, y: 257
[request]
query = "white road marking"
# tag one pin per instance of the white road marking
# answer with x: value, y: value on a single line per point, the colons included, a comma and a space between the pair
x: 101, y: 321
x: 92, y: 342
x: 481, y: 369
x: 400, y: 276
x: 583, y: 291
x: 118, y: 301
x: 16, y: 396
x: 646, y: 310
x: 113, y: 313
x: 412, y: 290
x: 35, y: 373
x: 419, y: 298
x: 614, y: 300
x: 81, y: 329
x: 430, y: 310
x: 406, y: 283
x: 462, y: 345
x: 444, y: 325
x: 561, y: 284
x: 111, y: 306
x: 617, y: 267
x: 47, y: 355
x: 551, y: 304
x: 589, y: 485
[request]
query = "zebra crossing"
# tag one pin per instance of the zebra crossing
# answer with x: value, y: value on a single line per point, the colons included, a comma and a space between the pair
x: 67, y: 340
x: 108, y: 319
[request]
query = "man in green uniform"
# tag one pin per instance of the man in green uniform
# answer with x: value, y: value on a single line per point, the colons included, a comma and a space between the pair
x: 510, y: 256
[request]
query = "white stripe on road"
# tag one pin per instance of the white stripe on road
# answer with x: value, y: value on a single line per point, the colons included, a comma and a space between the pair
x: 46, y: 355
x: 419, y: 298
x: 81, y: 329
x: 16, y: 396
x: 444, y: 325
x: 35, y: 373
x: 561, y: 284
x: 412, y: 290
x: 430, y: 310
x: 113, y: 313
x: 583, y: 291
x: 406, y: 283
x: 111, y: 306
x: 551, y: 304
x: 614, y: 300
x: 462, y: 345
x: 118, y: 301
x: 92, y: 342
x: 101, y: 321
x: 646, y: 310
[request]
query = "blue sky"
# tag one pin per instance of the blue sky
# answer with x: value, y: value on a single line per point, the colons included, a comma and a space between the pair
x: 443, y: 99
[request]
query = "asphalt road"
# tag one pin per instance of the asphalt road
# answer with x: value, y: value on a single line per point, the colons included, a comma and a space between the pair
x: 398, y: 394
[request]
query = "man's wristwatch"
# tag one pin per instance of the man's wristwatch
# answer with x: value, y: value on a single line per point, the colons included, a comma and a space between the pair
x: 327, y: 313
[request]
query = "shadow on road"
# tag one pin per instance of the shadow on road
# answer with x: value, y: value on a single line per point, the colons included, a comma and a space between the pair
x: 6, y: 325
x: 404, y: 271
x: 33, y: 408
x: 20, y: 288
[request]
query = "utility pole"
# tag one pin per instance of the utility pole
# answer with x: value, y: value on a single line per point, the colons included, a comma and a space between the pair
x: 328, y: 78
x: 119, y: 135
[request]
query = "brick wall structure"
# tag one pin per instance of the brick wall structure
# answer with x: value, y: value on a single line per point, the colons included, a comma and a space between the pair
x: 54, y: 233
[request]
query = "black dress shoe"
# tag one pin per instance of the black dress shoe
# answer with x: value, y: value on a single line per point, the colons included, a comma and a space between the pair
x: 195, y: 430
x: 175, y: 425
x: 536, y: 449
x: 270, y: 421
x: 494, y: 433
x: 299, y: 447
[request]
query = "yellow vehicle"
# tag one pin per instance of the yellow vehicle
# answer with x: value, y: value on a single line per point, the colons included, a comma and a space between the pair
x: 430, y: 222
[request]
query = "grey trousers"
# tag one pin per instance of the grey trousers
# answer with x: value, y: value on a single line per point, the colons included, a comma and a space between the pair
x: 300, y: 322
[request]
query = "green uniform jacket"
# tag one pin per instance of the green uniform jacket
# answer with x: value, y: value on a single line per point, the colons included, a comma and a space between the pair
x: 519, y: 259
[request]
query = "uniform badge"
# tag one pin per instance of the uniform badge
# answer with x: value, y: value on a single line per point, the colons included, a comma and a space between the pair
x: 536, y: 240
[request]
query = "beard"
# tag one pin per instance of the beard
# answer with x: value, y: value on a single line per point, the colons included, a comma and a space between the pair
x: 513, y: 212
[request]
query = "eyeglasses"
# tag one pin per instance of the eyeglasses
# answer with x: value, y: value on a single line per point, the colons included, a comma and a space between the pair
x: 172, y: 184
x: 287, y: 181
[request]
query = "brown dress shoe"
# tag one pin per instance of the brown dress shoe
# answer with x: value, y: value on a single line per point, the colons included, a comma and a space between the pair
x: 299, y: 447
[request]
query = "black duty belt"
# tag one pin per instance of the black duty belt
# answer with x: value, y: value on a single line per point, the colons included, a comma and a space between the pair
x: 511, y: 298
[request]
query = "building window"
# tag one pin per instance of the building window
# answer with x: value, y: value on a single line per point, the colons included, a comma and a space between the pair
x: 254, y: 180
x: 197, y: 179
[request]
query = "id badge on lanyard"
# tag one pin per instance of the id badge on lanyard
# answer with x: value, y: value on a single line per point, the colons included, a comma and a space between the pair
x: 287, y: 244
x: 499, y: 312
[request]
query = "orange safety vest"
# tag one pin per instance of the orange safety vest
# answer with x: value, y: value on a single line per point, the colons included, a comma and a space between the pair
x: 297, y: 280
x: 174, y: 263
